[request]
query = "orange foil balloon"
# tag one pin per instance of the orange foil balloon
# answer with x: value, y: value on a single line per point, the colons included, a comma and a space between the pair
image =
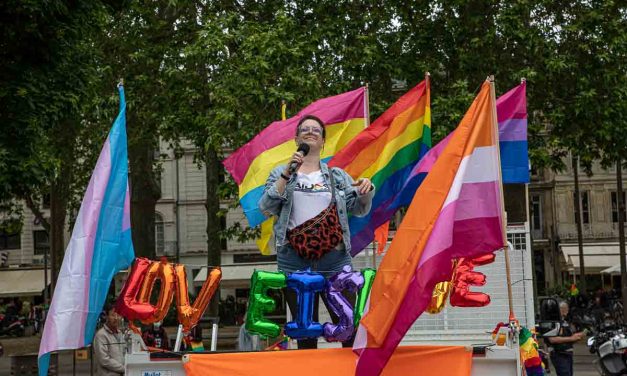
x: 164, y: 272
x: 128, y: 305
x: 465, y: 277
x: 189, y: 314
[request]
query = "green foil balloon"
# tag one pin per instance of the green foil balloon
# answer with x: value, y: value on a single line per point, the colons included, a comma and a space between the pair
x: 259, y: 303
x: 362, y: 295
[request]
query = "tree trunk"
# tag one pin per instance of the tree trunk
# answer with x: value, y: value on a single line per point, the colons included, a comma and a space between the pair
x: 621, y: 233
x: 145, y: 191
x: 582, y: 268
x: 212, y: 204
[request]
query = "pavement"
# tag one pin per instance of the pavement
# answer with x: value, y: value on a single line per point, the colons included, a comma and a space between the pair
x: 30, y: 345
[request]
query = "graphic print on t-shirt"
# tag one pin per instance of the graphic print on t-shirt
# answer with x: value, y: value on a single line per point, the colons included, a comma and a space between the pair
x: 311, y: 196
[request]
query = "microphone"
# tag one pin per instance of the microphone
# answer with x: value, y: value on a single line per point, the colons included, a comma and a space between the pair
x: 303, y: 149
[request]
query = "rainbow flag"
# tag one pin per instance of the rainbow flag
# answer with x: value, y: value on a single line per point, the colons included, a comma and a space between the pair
x: 456, y: 212
x: 386, y: 152
x: 100, y: 246
x: 529, y: 353
x: 511, y: 109
x: 250, y: 165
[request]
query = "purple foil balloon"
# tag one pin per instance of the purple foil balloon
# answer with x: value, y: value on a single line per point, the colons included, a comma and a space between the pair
x: 349, y: 280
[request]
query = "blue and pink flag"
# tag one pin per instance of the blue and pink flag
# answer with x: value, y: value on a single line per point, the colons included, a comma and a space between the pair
x: 100, y: 247
x: 456, y: 212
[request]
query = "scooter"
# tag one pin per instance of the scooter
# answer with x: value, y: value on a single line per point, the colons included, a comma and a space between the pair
x: 611, y: 349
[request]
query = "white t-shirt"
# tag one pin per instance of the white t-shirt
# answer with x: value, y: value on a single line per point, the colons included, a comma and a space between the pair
x: 311, y: 196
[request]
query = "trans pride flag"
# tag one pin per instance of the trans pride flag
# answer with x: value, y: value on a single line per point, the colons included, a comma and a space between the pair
x: 100, y: 246
x: 456, y: 212
x: 386, y: 152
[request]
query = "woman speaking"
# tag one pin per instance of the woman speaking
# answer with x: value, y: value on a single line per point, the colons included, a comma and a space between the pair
x: 311, y: 202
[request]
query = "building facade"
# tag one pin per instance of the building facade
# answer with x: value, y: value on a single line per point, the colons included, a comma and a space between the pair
x: 554, y: 229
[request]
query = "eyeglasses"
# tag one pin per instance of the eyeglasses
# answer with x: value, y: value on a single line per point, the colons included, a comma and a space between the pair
x: 311, y: 129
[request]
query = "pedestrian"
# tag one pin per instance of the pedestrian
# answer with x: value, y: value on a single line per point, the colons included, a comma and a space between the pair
x: 312, y: 202
x: 156, y: 336
x: 561, y: 346
x: 109, y: 345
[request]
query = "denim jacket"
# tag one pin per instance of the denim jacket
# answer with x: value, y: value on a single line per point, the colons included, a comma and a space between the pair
x: 347, y: 198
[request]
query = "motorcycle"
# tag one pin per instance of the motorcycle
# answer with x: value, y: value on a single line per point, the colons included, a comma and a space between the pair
x: 11, y: 325
x: 610, y: 345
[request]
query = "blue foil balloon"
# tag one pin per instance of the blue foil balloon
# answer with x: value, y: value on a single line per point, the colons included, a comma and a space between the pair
x: 306, y: 284
x: 349, y: 280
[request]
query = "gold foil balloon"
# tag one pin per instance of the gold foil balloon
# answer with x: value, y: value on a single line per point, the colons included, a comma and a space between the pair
x: 438, y: 299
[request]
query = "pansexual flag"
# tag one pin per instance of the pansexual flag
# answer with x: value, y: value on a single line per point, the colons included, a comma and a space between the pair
x: 456, y: 212
x: 250, y: 165
x: 386, y: 152
x: 100, y: 246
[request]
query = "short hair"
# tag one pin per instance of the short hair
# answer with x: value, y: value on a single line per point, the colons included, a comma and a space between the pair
x: 563, y: 304
x: 108, y: 307
x: 314, y: 118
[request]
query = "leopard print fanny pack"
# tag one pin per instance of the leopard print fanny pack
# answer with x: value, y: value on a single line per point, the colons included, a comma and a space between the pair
x: 319, y: 235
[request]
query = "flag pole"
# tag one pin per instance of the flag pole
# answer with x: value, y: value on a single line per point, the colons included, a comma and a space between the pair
x: 495, y: 134
x: 366, y: 125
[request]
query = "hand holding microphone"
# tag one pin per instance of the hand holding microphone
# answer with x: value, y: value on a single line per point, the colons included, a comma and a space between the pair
x: 297, y: 158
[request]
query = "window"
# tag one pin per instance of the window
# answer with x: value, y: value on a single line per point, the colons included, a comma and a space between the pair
x: 223, y: 242
x: 10, y: 240
x: 41, y: 242
x: 536, y: 216
x: 159, y: 235
x: 615, y: 207
x: 585, y: 207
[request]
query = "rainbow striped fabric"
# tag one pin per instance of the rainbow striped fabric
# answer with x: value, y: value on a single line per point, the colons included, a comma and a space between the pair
x: 386, y: 152
x: 456, y: 212
x: 100, y: 246
x: 529, y: 353
x: 251, y: 164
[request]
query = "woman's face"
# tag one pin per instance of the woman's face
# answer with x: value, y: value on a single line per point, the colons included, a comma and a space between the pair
x: 310, y: 132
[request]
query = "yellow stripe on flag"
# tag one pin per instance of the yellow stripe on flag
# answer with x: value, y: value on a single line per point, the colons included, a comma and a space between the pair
x: 266, y: 234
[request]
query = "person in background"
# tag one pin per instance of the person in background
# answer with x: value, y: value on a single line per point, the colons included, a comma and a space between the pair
x: 109, y: 345
x: 561, y: 347
x: 156, y: 336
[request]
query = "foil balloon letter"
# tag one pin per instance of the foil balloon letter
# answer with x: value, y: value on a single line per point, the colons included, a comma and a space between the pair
x: 188, y: 314
x: 306, y: 284
x: 438, y: 299
x: 128, y: 304
x: 440, y: 294
x: 349, y: 280
x: 362, y: 295
x: 164, y: 272
x: 465, y: 277
x: 259, y: 303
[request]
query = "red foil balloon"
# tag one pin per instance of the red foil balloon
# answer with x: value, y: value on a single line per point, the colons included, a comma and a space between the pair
x: 128, y: 304
x: 188, y: 314
x: 465, y: 277
x: 164, y: 272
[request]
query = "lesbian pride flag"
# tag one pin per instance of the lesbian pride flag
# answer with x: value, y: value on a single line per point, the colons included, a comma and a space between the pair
x: 456, y: 212
x: 100, y: 246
